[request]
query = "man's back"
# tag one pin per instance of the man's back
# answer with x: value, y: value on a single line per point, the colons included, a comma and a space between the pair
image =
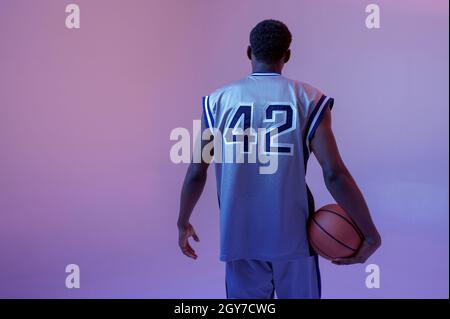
x: 263, y: 216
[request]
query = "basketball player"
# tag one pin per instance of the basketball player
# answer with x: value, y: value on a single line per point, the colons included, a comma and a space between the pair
x: 263, y: 216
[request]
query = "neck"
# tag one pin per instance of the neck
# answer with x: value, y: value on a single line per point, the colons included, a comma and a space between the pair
x: 266, y: 68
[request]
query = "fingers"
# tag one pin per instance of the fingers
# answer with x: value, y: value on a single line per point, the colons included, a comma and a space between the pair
x: 341, y: 261
x: 364, y: 252
x: 184, y: 242
x: 338, y: 261
x: 186, y: 247
x: 188, y: 251
x: 348, y: 261
x: 191, y: 232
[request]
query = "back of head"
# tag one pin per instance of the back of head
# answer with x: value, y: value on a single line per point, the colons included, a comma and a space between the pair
x: 269, y: 40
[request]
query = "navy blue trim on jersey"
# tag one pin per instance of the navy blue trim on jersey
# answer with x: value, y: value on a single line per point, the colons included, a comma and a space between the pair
x: 313, y: 114
x: 208, y: 106
x: 319, y: 279
x: 305, y: 156
x: 218, y: 199
x: 311, y: 211
x: 310, y: 131
x: 308, y: 124
x: 226, y: 288
x: 315, y: 118
x: 205, y: 118
x: 305, y: 153
x: 329, y: 104
x: 209, y: 119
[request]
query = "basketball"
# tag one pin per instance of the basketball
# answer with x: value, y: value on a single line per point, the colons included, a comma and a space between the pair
x: 332, y: 233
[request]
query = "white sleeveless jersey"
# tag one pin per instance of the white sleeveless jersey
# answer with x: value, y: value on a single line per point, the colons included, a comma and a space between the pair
x: 263, y: 216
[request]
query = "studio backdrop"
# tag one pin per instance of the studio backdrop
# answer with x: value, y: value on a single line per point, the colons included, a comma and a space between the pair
x: 88, y: 103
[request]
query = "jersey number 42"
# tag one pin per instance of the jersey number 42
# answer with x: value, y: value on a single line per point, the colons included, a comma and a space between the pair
x: 278, y: 119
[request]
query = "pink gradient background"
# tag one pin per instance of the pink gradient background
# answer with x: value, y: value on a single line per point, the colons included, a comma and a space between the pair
x: 85, y: 118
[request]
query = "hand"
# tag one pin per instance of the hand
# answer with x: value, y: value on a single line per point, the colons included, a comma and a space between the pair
x: 367, y: 248
x: 184, y: 232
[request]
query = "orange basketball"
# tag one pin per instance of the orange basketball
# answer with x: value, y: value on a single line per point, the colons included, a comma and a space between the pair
x: 332, y: 233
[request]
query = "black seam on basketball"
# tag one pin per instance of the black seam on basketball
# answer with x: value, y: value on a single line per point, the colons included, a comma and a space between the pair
x: 347, y: 220
x: 319, y: 250
x: 353, y: 249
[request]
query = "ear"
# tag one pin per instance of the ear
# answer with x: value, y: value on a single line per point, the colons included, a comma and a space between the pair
x: 287, y: 55
x: 249, y: 52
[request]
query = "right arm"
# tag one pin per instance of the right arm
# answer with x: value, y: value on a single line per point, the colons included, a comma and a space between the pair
x: 344, y: 189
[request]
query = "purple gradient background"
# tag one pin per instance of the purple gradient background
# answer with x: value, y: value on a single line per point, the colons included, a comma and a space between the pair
x: 85, y: 118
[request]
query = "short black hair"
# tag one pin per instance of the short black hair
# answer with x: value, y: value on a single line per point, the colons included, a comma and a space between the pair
x: 269, y: 40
